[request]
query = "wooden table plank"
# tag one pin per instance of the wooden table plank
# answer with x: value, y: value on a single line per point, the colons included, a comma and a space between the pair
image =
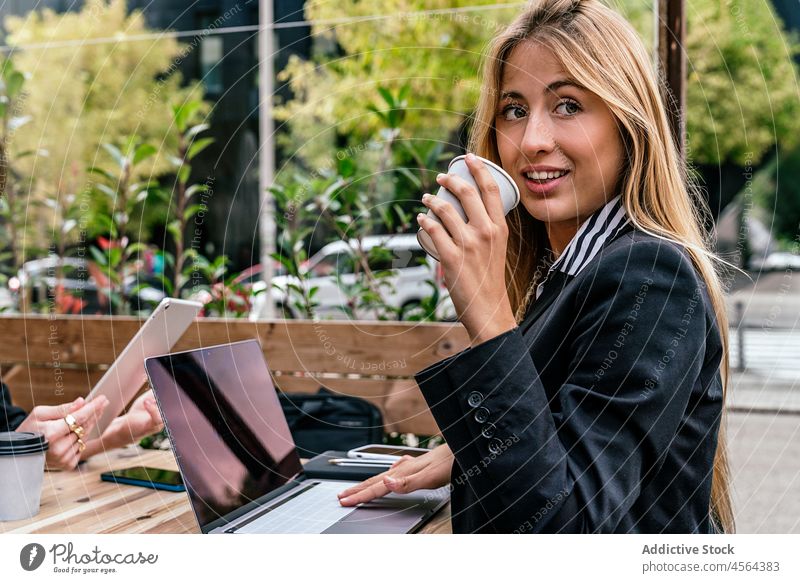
x: 80, y: 503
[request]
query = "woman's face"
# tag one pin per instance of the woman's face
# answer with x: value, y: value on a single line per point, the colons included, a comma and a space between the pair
x: 559, y: 141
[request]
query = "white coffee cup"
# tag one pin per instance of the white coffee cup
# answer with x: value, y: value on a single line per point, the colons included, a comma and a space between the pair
x: 21, y: 474
x: 509, y: 194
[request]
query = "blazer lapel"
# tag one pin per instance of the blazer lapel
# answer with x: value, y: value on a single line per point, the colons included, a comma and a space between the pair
x: 555, y: 283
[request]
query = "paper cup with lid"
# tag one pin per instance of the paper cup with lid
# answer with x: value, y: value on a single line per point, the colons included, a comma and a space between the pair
x: 21, y: 474
x: 509, y: 194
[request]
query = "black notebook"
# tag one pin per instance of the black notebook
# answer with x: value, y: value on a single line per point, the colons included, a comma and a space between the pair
x: 318, y: 468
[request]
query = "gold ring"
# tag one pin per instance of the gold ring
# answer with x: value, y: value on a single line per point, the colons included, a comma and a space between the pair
x: 73, y: 425
x: 70, y: 421
x: 81, y: 445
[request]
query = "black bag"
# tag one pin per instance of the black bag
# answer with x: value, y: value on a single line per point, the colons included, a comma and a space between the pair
x: 323, y: 421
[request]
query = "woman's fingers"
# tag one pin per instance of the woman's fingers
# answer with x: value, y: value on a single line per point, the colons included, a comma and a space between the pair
x: 377, y: 479
x: 369, y: 493
x: 88, y: 415
x: 61, y: 446
x: 446, y: 213
x: 61, y: 452
x: 70, y: 461
x: 490, y: 191
x: 440, y: 237
x: 53, y: 412
x: 403, y: 474
x: 467, y: 195
x: 365, y: 484
x: 155, y: 414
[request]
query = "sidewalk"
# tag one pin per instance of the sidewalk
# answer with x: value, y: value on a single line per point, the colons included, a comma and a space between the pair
x: 748, y: 392
x: 764, y: 451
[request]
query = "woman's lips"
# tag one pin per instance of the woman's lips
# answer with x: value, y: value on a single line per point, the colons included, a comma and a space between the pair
x: 543, y: 187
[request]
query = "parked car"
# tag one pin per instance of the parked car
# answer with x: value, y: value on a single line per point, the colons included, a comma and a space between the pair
x: 39, y: 278
x: 6, y: 299
x: 412, y: 269
x: 778, y: 261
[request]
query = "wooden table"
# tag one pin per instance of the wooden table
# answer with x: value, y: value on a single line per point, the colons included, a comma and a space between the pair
x: 80, y: 503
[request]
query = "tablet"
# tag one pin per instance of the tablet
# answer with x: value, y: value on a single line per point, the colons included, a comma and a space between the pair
x: 126, y: 375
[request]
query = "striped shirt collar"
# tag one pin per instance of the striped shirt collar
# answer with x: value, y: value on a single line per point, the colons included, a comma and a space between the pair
x: 595, y: 231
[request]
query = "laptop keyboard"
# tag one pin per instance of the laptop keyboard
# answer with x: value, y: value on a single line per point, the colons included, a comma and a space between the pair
x: 310, y: 512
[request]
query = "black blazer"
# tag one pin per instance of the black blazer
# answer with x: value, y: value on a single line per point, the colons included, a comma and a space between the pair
x: 599, y: 412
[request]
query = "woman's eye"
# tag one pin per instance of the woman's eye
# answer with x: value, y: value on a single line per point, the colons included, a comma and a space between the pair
x: 513, y: 112
x: 568, y: 107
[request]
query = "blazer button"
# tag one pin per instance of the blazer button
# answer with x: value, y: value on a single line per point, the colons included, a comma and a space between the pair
x: 474, y: 399
x: 488, y: 430
x: 481, y: 414
x: 496, y: 446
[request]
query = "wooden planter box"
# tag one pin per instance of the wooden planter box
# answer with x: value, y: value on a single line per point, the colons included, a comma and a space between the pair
x: 51, y: 360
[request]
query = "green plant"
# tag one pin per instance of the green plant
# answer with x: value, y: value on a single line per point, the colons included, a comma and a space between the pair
x: 182, y: 209
x: 353, y: 200
x: 224, y: 296
x: 117, y: 257
x: 12, y: 194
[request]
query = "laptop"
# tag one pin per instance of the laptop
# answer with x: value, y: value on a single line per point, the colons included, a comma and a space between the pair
x: 237, y: 458
x: 126, y: 375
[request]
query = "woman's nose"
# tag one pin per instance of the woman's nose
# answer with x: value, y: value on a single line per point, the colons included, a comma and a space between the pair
x: 538, y: 137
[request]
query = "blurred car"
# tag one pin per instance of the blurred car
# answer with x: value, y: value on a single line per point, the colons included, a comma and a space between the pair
x: 6, y: 299
x: 411, y: 268
x: 39, y: 279
x: 778, y: 261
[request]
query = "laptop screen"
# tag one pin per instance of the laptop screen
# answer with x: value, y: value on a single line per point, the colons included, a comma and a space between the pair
x: 226, y: 424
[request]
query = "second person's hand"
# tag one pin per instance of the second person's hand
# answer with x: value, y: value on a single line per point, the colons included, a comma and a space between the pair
x: 428, y: 471
x: 64, y: 450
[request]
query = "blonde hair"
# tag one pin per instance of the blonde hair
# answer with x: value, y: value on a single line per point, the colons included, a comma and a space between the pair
x: 603, y: 53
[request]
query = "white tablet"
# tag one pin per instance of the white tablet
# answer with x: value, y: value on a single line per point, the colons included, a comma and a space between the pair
x: 126, y: 375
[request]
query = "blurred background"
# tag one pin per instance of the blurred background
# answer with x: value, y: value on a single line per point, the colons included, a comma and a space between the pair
x: 153, y: 148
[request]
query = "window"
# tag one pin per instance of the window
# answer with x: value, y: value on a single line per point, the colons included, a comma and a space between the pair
x: 211, y: 50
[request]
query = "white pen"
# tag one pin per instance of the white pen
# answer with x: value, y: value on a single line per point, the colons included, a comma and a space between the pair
x: 356, y: 462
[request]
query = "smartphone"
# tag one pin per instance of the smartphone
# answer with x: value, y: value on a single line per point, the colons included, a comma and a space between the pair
x: 385, y: 452
x: 147, y: 478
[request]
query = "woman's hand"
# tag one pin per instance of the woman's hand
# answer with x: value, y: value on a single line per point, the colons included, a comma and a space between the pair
x: 473, y: 254
x: 63, y: 451
x: 430, y: 470
x: 141, y: 420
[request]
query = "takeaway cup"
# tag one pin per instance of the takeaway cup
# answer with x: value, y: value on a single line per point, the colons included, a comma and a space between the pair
x: 21, y: 473
x: 509, y: 194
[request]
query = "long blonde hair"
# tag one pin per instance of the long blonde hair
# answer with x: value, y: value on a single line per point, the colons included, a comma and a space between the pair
x: 600, y: 50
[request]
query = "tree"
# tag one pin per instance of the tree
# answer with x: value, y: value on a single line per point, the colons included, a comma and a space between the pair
x: 776, y: 189
x: 80, y: 94
x: 740, y: 99
x: 436, y: 55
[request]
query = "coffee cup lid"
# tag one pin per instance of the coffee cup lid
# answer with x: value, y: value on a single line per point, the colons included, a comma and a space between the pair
x: 21, y: 442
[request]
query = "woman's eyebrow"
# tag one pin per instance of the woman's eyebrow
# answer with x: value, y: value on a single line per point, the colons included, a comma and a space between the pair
x: 564, y: 83
x: 554, y: 86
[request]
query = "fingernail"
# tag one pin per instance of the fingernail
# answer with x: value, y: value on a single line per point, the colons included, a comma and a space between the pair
x: 390, y: 481
x: 420, y: 216
x: 344, y: 500
x: 426, y: 196
x: 440, y: 176
x: 471, y: 157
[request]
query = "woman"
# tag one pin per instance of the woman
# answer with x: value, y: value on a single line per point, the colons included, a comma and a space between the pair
x: 65, y: 426
x: 591, y: 397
